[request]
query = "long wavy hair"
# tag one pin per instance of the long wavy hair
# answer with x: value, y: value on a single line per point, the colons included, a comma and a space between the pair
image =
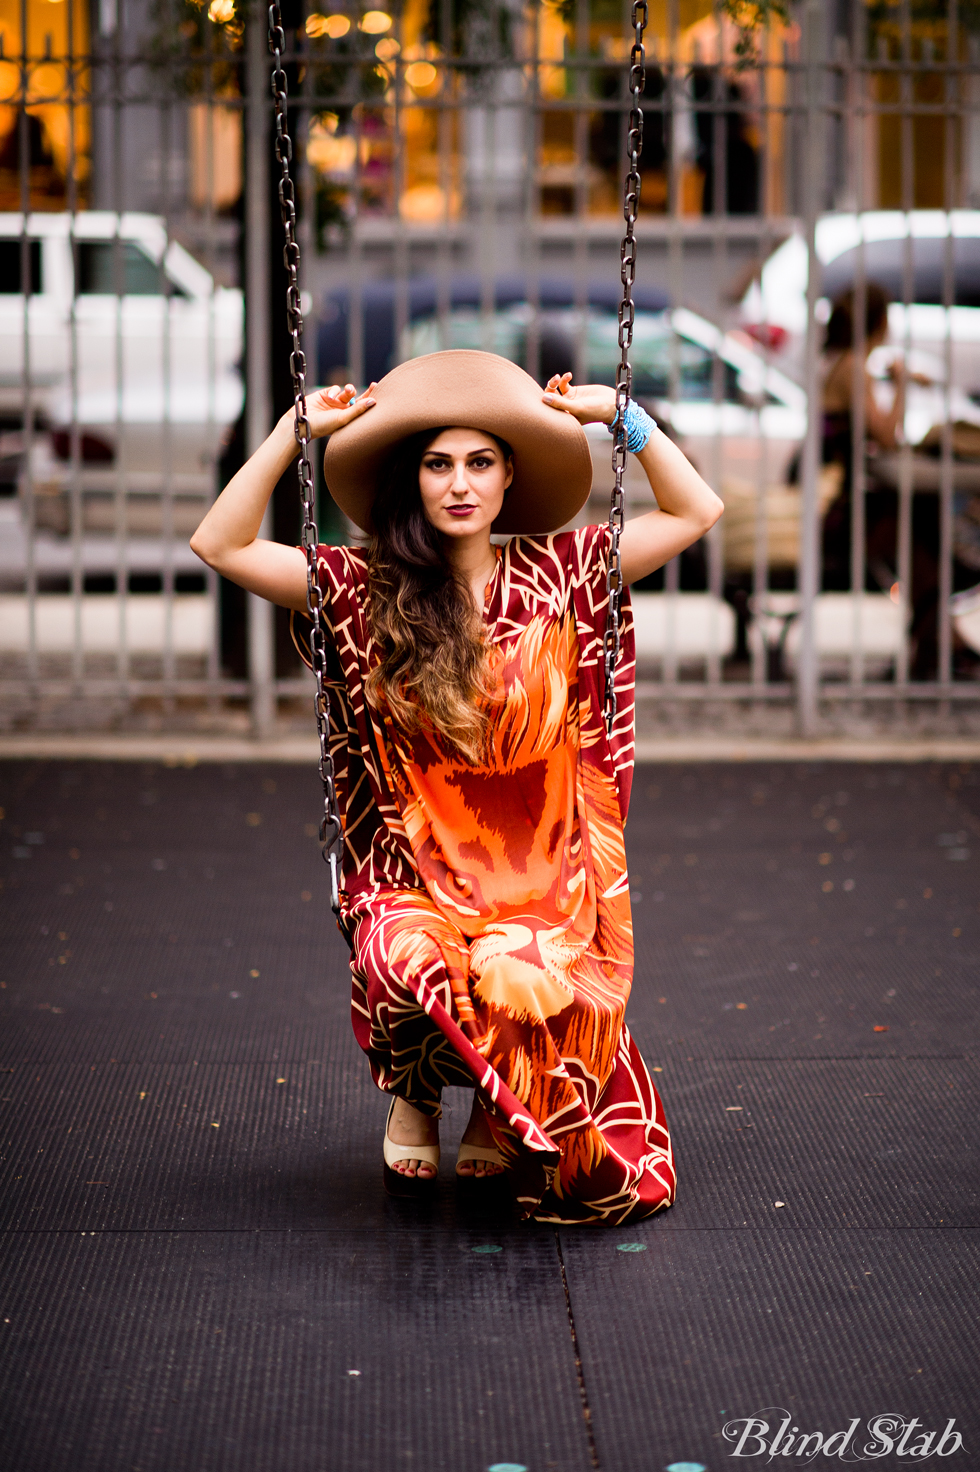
x: 432, y: 673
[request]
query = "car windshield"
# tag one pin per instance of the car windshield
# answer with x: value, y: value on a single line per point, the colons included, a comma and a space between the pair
x: 658, y: 350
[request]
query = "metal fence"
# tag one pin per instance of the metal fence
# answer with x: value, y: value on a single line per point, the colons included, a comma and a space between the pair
x: 808, y: 322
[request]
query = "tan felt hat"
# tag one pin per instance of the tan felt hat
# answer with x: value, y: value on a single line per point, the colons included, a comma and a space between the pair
x: 462, y: 389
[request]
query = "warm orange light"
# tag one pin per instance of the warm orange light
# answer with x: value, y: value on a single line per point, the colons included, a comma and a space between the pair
x: 387, y: 49
x: 333, y: 26
x: 895, y: 592
x: 424, y: 204
x: 375, y: 21
x: 326, y: 152
x: 420, y: 74
x: 47, y: 83
x: 221, y: 11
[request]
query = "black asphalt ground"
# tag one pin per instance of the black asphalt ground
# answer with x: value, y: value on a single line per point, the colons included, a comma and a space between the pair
x: 200, y: 1270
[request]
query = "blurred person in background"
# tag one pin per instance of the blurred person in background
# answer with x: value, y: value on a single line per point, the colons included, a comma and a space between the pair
x: 883, y: 433
x: 882, y: 429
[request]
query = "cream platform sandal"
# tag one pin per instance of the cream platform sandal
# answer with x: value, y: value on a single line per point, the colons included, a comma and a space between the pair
x: 488, y: 1154
x: 397, y: 1184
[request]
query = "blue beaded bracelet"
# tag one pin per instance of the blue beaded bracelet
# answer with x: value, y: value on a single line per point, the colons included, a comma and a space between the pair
x: 639, y: 426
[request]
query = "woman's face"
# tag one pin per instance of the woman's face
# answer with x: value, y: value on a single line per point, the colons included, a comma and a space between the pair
x: 462, y: 478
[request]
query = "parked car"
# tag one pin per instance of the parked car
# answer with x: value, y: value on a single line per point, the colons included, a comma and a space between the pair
x: 155, y: 341
x: 384, y: 303
x: 131, y: 353
x: 732, y: 411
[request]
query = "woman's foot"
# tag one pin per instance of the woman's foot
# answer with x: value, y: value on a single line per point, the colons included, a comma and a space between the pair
x: 408, y: 1127
x: 478, y: 1133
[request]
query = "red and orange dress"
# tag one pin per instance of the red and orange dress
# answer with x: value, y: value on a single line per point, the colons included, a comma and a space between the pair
x: 489, y: 905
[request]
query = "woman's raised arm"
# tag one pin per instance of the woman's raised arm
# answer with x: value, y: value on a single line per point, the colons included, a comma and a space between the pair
x: 228, y: 538
x: 687, y: 507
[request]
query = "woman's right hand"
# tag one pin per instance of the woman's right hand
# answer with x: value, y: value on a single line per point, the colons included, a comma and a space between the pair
x: 329, y: 409
x: 229, y: 538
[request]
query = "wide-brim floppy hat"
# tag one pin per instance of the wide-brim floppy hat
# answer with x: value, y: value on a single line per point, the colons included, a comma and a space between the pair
x: 464, y: 389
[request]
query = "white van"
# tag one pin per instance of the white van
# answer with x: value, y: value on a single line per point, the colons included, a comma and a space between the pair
x: 156, y: 343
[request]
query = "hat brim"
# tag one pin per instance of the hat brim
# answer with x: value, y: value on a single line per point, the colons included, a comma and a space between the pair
x: 465, y: 389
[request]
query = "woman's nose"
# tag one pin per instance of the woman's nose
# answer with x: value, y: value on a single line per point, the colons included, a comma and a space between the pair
x: 460, y: 485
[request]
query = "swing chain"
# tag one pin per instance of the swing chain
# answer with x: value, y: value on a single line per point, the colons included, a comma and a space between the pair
x: 624, y: 373
x: 331, y: 829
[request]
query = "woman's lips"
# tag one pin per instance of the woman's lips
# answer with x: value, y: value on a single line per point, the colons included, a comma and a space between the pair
x: 460, y: 510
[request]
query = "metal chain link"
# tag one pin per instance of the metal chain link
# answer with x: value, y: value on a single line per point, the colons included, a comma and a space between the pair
x: 624, y: 373
x: 331, y: 829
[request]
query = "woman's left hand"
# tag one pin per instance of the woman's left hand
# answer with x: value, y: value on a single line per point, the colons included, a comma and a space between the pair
x: 329, y: 409
x: 589, y: 403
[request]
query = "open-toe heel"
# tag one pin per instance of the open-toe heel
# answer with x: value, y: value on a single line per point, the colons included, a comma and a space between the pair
x: 480, y: 1186
x: 397, y: 1184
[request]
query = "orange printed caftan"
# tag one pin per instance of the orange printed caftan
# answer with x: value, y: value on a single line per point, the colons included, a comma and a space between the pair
x: 489, y: 905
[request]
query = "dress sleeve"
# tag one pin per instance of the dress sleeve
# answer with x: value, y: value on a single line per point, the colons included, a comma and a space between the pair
x: 585, y: 553
x: 343, y: 579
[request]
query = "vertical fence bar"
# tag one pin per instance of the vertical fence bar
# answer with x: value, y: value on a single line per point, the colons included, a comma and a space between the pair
x: 355, y: 294
x: 859, y: 320
x: 400, y: 107
x: 859, y: 353
x: 581, y: 89
x: 906, y: 591
x: 447, y: 127
x: 717, y: 208
x: 258, y: 347
x: 944, y: 641
x: 675, y: 266
x: 760, y: 556
x: 530, y: 134
x: 808, y: 671
x: 212, y: 583
x: 117, y: 72
x: 75, y: 463
x: 167, y: 525
x: 26, y: 285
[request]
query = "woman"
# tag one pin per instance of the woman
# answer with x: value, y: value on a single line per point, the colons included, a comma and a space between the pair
x: 485, y: 882
x: 880, y: 503
x: 838, y: 385
x: 881, y: 427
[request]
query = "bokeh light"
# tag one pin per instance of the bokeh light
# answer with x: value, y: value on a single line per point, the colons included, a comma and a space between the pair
x: 420, y: 74
x: 333, y: 26
x: 374, y: 22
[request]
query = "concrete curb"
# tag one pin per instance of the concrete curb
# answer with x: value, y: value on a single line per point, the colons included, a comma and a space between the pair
x: 188, y: 751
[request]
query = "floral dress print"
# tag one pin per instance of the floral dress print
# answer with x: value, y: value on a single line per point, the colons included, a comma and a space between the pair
x: 489, y: 905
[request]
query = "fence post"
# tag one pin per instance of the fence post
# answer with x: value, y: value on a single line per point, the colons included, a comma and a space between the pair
x: 809, y: 578
x: 258, y: 375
